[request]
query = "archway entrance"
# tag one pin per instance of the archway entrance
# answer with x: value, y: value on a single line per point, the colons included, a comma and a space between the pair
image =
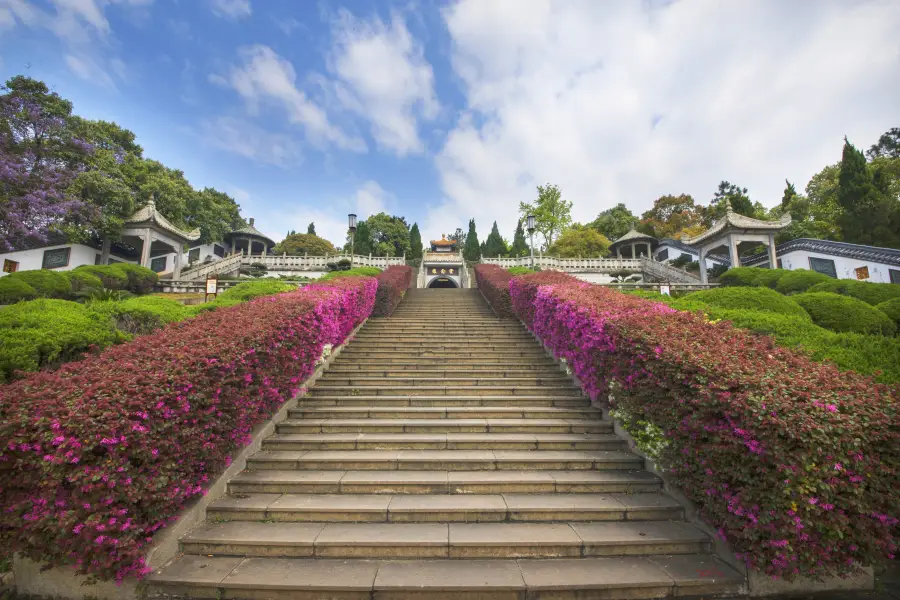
x: 442, y: 282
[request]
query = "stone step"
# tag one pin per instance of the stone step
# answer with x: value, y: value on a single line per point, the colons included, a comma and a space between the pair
x: 554, y: 391
x: 443, y: 412
x: 461, y: 335
x: 445, y: 579
x: 446, y: 460
x: 443, y: 426
x: 504, y: 353
x: 446, y: 508
x: 427, y: 362
x: 443, y: 441
x: 445, y: 401
x: 428, y: 328
x: 357, y: 370
x: 332, y: 379
x: 443, y: 482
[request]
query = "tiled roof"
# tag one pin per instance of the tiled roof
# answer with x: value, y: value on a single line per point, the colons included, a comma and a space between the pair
x: 149, y: 214
x: 738, y: 221
x: 251, y: 231
x: 887, y: 256
x: 632, y: 236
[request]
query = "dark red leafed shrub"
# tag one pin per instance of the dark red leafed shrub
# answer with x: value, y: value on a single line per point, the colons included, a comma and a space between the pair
x: 493, y: 282
x: 99, y: 455
x: 795, y: 463
x: 524, y: 289
x: 392, y: 285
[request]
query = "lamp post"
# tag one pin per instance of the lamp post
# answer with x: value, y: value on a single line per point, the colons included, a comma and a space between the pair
x: 530, y: 222
x: 351, y: 225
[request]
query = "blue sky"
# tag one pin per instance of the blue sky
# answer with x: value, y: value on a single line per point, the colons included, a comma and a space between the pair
x: 442, y: 111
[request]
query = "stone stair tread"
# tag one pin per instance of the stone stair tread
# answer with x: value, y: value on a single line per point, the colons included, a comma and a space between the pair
x: 461, y: 410
x: 445, y: 455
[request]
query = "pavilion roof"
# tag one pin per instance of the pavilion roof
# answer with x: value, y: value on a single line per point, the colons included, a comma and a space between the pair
x: 148, y: 215
x: 633, y: 235
x: 733, y: 220
x: 251, y: 231
x: 444, y: 242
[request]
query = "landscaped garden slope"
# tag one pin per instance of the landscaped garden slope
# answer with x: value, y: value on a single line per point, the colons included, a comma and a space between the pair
x: 793, y: 461
x: 102, y: 453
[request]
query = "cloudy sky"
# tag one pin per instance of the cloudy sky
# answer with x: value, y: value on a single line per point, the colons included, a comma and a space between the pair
x: 441, y: 111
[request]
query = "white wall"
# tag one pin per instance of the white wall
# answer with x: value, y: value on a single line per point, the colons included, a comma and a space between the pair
x: 31, y: 260
x: 676, y: 252
x: 845, y: 267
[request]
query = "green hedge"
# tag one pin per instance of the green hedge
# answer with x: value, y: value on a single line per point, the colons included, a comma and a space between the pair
x: 140, y: 280
x: 113, y: 279
x: 799, y: 280
x: 14, y: 290
x: 47, y: 283
x: 892, y: 309
x: 752, y: 277
x: 357, y: 272
x: 82, y: 282
x: 743, y: 298
x: 843, y: 313
x: 243, y: 292
x: 870, y: 293
x: 142, y: 314
x: 36, y: 334
x: 520, y: 270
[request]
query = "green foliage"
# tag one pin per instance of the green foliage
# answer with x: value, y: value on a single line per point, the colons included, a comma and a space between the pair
x: 672, y: 217
x: 383, y: 235
x: 298, y: 244
x: 799, y: 280
x: 494, y: 245
x: 82, y: 282
x: 888, y: 145
x: 892, y: 309
x: 112, y: 279
x: 868, y: 292
x: 249, y: 290
x: 520, y: 271
x: 650, y: 439
x: 140, y: 279
x: 472, y: 249
x: 37, y: 334
x: 519, y: 245
x: 871, y: 213
x: 552, y: 214
x: 311, y: 229
x: 752, y: 277
x: 354, y: 272
x: 614, y: 222
x: 15, y: 290
x: 742, y: 298
x: 843, y: 313
x: 580, y: 242
x: 736, y: 196
x: 142, y: 314
x: 415, y: 243
x: 46, y: 283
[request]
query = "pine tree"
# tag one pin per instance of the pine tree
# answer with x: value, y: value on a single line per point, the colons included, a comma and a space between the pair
x: 415, y: 243
x: 311, y: 230
x: 519, y: 246
x: 495, y: 245
x: 866, y: 212
x: 472, y: 249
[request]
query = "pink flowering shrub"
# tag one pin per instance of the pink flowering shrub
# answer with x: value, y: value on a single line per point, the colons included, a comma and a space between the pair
x: 100, y: 455
x: 523, y: 290
x: 392, y: 285
x: 493, y: 282
x: 794, y: 462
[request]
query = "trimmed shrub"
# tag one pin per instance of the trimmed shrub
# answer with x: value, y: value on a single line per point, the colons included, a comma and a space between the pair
x: 392, y: 285
x: 100, y: 455
x: 493, y: 282
x: 354, y: 272
x: 779, y: 452
x: 249, y: 290
x: 762, y: 299
x: 868, y: 292
x: 140, y: 279
x: 843, y: 313
x: 520, y: 271
x: 14, y: 290
x: 524, y: 289
x: 82, y: 282
x: 799, y: 280
x: 47, y: 283
x: 892, y: 309
x: 113, y: 279
x: 142, y: 315
x: 747, y: 276
x: 41, y: 333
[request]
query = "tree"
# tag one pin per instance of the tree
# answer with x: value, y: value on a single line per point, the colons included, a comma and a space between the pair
x: 580, y: 242
x: 868, y: 213
x: 519, y: 245
x: 495, y: 245
x: 672, y: 217
x: 472, y: 249
x: 888, y: 145
x: 383, y: 235
x: 304, y: 243
x: 789, y: 192
x: 311, y: 229
x: 740, y: 202
x: 552, y: 214
x: 362, y: 240
x: 614, y: 222
x: 415, y: 243
x: 459, y: 237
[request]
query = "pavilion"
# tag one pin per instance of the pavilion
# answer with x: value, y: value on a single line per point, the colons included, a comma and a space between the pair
x: 156, y: 237
x: 249, y: 238
x: 632, y: 242
x: 442, y: 266
x: 732, y: 230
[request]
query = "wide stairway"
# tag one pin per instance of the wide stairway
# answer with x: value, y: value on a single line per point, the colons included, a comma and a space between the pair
x: 444, y: 455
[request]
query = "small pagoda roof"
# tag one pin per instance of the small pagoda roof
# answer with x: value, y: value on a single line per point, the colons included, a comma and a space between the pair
x: 148, y: 216
x: 634, y: 235
x: 733, y: 220
x: 443, y: 242
x: 249, y: 231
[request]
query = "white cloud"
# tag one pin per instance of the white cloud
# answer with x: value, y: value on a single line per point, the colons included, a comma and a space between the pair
x: 231, y: 9
x: 264, y: 77
x: 371, y: 199
x: 85, y: 68
x: 247, y: 140
x: 288, y: 25
x: 384, y: 77
x: 615, y: 102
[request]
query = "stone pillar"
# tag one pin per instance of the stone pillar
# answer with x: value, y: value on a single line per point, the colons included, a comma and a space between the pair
x: 176, y: 273
x: 233, y: 246
x: 733, y: 252
x: 104, y: 253
x: 618, y: 251
x: 145, y: 250
x: 773, y: 260
x: 633, y: 250
x: 703, y: 278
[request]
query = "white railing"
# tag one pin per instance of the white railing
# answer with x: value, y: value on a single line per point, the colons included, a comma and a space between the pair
x: 226, y: 265
x: 284, y: 262
x: 571, y: 265
x: 666, y: 272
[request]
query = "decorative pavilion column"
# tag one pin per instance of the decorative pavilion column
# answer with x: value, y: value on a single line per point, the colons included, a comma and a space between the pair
x: 773, y: 260
x: 176, y: 274
x: 703, y: 277
x: 104, y: 252
x: 619, y: 252
x: 145, y: 249
x: 733, y: 252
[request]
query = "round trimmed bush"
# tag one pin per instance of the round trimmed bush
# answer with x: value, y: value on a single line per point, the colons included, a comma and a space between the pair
x: 770, y: 277
x: 741, y: 277
x: 843, y: 313
x: 140, y: 279
x: 112, y: 279
x: 892, y: 309
x: 82, y: 282
x: 752, y: 298
x: 47, y: 284
x: 868, y: 292
x: 142, y: 314
x: 799, y: 281
x: 14, y: 290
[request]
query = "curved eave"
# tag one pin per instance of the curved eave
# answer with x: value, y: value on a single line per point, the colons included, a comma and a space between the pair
x: 256, y: 235
x: 741, y: 223
x: 148, y: 216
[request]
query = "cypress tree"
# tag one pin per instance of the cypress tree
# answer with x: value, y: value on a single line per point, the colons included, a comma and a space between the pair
x: 472, y: 249
x: 519, y: 246
x: 495, y: 245
x: 415, y: 243
x: 311, y: 230
x: 863, y: 206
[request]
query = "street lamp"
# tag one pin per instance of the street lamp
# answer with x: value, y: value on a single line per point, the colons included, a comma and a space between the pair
x: 351, y: 225
x: 530, y: 225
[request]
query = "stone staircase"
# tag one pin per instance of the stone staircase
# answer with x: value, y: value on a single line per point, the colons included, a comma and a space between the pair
x: 444, y: 455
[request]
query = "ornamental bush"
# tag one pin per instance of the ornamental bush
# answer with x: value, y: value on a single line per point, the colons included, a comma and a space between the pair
x: 98, y: 456
x: 843, y: 313
x: 524, y: 289
x: 82, y: 282
x: 142, y: 314
x: 354, y: 272
x: 42, y: 333
x: 245, y: 291
x: 46, y: 283
x: 140, y: 279
x: 739, y: 298
x: 521, y: 271
x: 793, y: 462
x: 14, y: 290
x: 751, y: 277
x: 799, y: 280
x: 892, y: 309
x: 113, y: 279
x: 493, y: 283
x: 868, y: 292
x: 392, y: 285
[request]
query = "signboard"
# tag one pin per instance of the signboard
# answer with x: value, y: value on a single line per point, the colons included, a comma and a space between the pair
x: 54, y: 259
x: 443, y: 271
x: 10, y: 266
x: 212, y: 287
x: 664, y: 289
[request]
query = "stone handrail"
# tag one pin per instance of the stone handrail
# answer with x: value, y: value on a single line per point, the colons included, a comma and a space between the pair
x: 284, y: 262
x: 571, y: 265
x: 666, y: 272
x: 226, y: 265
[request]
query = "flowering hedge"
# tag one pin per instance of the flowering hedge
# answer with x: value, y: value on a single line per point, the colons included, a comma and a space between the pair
x: 795, y: 463
x: 99, y: 455
x: 523, y: 291
x: 493, y: 282
x: 392, y: 285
